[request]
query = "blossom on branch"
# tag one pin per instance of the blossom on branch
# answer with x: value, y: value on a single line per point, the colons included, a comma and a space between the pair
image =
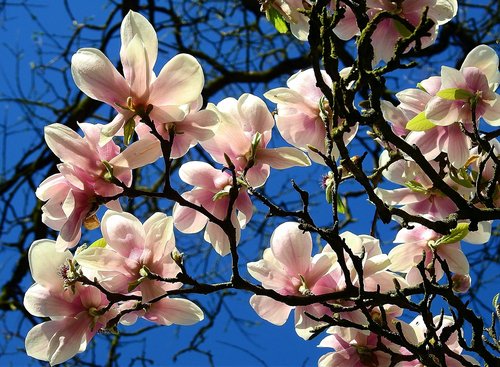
x: 302, y: 107
x: 77, y: 312
x: 87, y: 173
x: 171, y: 93
x: 249, y: 124
x: 212, y: 192
x: 288, y: 268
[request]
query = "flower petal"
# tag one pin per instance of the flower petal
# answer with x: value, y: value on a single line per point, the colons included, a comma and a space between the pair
x: 182, y: 79
x: 292, y: 247
x: 45, y: 263
x: 123, y: 232
x: 174, y: 311
x: 94, y: 74
x: 270, y: 310
x: 281, y: 158
x: 135, y: 24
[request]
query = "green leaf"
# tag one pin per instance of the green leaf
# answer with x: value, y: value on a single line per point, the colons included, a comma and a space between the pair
x: 462, y: 178
x: 415, y: 186
x: 402, y: 29
x: 455, y: 94
x: 277, y: 20
x: 128, y: 131
x: 341, y: 208
x: 419, y: 123
x: 101, y: 242
x: 456, y: 234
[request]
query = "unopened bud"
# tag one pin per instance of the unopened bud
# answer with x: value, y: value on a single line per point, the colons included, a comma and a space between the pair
x: 178, y: 257
x: 461, y: 282
x: 229, y: 163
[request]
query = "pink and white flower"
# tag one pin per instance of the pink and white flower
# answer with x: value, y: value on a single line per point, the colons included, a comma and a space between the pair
x: 77, y: 312
x: 211, y: 191
x: 418, y: 196
x: 420, y: 330
x: 133, y: 250
x: 354, y: 348
x: 84, y: 175
x: 390, y: 30
x: 300, y: 109
x: 473, y: 86
x: 288, y: 268
x: 171, y: 93
x: 248, y: 124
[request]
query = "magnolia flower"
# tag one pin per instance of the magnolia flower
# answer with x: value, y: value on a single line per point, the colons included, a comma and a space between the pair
x: 289, y: 10
x: 76, y: 311
x: 301, y: 108
x: 178, y: 84
x: 86, y: 173
x: 354, y: 348
x: 243, y: 134
x: 420, y: 239
x: 408, y: 120
x: 133, y: 251
x: 196, y: 126
x: 471, y: 87
x: 419, y: 195
x: 345, y: 29
x: 288, y: 268
x: 405, y: 257
x: 211, y: 191
x: 390, y: 30
x: 419, y: 329
x: 488, y: 171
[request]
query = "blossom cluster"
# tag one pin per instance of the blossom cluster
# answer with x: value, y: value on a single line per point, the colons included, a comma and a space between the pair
x: 394, y: 20
x: 134, y: 269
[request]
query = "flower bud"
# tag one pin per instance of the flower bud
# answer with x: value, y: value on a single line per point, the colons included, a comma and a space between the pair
x: 461, y: 282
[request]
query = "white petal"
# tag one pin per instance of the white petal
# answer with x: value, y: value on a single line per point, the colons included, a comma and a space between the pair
x: 135, y: 24
x: 94, y: 74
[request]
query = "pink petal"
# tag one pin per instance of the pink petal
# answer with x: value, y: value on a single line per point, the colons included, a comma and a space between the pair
x: 492, y: 113
x: 399, y: 196
x: 442, y: 112
x: 40, y: 301
x: 458, y: 146
x: 137, y: 154
x: 485, y: 59
x: 455, y: 258
x: 292, y: 247
x: 202, y: 174
x: 182, y: 78
x: 281, y: 158
x: 188, y: 220
x: 245, y: 208
x: 159, y: 235
x: 68, y: 145
x: 270, y: 310
x: 123, y: 232
x: 174, y: 311
x: 254, y: 114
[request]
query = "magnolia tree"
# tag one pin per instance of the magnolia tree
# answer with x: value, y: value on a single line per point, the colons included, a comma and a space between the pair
x: 368, y: 305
